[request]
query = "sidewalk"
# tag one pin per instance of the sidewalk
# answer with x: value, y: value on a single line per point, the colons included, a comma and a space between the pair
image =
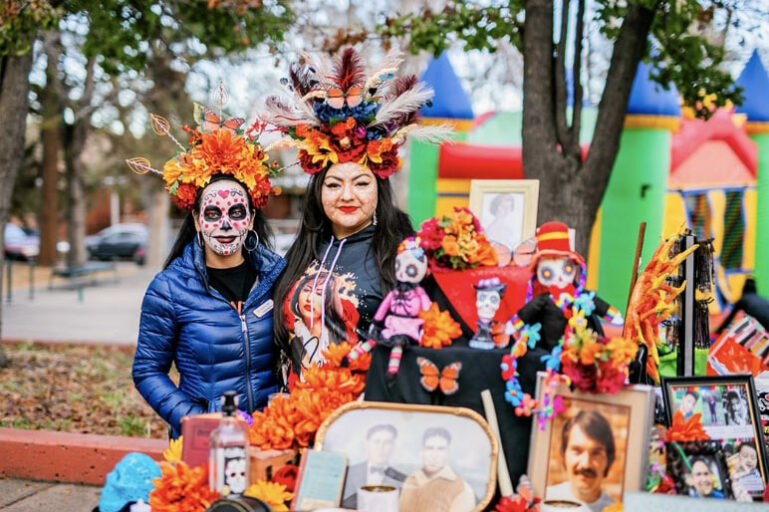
x: 106, y: 312
x: 28, y: 496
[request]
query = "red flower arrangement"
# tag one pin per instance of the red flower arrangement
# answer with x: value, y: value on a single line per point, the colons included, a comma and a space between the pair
x: 596, y: 364
x: 456, y: 241
x: 291, y: 421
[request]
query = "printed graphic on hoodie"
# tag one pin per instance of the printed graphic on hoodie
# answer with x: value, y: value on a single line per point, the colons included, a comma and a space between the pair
x: 322, y: 308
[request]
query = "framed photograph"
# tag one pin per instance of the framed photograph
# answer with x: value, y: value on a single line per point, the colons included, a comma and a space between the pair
x: 699, y: 469
x: 507, y: 209
x: 729, y: 414
x: 439, y: 458
x: 594, y: 450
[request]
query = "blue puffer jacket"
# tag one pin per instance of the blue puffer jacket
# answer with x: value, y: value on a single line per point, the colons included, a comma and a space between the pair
x: 185, y: 321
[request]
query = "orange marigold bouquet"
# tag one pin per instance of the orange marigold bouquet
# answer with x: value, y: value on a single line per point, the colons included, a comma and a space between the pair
x: 181, y: 489
x: 456, y: 241
x: 292, y: 420
x: 595, y: 363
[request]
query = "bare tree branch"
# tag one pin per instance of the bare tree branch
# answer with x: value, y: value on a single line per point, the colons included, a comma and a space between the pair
x: 576, y: 121
x: 561, y: 126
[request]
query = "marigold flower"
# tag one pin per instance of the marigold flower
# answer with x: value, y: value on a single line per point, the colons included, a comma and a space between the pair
x: 181, y: 489
x: 683, y: 430
x: 439, y: 329
x: 174, y: 451
x: 272, y: 493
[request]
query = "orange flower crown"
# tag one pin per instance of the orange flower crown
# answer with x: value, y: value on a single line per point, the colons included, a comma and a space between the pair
x: 336, y: 112
x: 216, y: 147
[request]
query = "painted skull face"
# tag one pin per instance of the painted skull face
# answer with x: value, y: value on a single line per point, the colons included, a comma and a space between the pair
x: 410, y: 266
x: 235, y: 475
x: 487, y: 303
x: 556, y: 272
x: 224, y: 217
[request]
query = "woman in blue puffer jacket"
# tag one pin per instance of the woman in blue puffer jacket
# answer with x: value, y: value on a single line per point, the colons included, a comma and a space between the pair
x: 210, y: 310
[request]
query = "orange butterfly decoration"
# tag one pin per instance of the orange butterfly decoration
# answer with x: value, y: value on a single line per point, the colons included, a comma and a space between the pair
x: 446, y: 379
x: 211, y: 122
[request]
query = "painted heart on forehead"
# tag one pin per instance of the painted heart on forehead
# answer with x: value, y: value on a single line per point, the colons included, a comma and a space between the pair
x: 224, y: 218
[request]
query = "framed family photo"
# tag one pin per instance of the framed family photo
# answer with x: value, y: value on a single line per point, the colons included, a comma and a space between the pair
x: 439, y: 458
x: 699, y: 469
x: 729, y: 414
x: 507, y: 209
x: 594, y: 450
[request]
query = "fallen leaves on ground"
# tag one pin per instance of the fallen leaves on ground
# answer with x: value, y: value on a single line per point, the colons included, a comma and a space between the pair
x: 74, y: 388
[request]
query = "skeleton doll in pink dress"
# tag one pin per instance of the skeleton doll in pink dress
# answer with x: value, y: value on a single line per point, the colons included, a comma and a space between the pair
x: 401, y: 306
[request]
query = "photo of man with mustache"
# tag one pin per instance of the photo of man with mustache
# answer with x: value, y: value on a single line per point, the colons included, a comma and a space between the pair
x: 588, y: 451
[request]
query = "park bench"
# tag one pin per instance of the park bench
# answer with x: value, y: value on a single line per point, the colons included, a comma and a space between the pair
x: 79, y: 276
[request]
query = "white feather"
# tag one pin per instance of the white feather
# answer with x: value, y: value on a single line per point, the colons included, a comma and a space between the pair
x: 321, y: 64
x: 408, y: 102
x: 434, y: 134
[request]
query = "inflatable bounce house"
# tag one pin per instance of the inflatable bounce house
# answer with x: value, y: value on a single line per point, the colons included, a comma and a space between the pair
x: 671, y: 169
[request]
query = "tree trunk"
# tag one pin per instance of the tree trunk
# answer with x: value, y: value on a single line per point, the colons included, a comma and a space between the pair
x: 14, y: 97
x: 76, y: 211
x: 570, y: 190
x: 51, y: 137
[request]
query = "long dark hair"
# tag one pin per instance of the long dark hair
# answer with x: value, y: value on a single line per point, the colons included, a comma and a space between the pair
x: 393, y: 225
x: 188, y: 233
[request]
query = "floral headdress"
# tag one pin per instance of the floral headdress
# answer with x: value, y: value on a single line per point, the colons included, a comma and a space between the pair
x: 217, y: 146
x: 335, y: 112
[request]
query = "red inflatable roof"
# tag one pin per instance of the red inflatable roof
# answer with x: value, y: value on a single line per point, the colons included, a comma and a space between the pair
x: 695, y: 132
x: 466, y: 161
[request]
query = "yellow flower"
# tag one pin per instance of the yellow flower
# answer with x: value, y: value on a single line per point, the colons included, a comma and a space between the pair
x: 274, y: 494
x: 614, y: 507
x: 590, y: 349
x: 174, y: 451
x: 622, y: 351
x: 578, y: 322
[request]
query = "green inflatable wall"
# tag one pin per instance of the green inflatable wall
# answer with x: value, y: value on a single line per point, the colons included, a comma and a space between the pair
x: 762, y: 215
x: 636, y: 193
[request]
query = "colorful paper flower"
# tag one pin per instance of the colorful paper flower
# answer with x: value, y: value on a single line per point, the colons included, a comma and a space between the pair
x: 456, y: 241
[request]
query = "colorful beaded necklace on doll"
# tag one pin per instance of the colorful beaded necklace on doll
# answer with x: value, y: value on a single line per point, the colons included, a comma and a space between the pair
x: 576, y: 311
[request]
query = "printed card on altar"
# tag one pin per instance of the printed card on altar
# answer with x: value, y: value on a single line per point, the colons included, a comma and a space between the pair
x: 320, y: 480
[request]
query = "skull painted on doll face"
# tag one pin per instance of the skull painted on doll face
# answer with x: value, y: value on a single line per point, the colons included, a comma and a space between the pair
x: 410, y: 266
x: 224, y: 218
x: 487, y: 303
x: 235, y: 475
x: 556, y: 272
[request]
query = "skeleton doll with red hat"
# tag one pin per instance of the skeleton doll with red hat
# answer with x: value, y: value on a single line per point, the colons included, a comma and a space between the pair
x: 557, y: 304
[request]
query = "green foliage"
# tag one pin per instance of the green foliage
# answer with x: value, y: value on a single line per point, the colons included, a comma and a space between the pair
x: 120, y: 32
x: 679, y: 55
x: 20, y: 21
x: 478, y: 27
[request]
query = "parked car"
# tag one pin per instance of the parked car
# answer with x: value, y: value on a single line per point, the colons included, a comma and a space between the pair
x: 19, y: 244
x: 120, y: 241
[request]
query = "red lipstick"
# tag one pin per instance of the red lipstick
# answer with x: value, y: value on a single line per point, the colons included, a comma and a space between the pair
x: 348, y: 209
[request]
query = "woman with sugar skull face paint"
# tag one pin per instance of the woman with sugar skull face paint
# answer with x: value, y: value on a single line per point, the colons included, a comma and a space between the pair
x: 210, y: 310
x: 350, y: 227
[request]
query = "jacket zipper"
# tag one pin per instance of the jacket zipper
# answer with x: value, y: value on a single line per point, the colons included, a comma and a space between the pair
x: 244, y: 328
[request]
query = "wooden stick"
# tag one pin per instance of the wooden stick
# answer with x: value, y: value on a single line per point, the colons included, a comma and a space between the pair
x: 503, y: 476
x: 636, y: 262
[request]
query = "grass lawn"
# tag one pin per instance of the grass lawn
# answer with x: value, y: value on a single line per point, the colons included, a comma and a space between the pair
x: 74, y: 388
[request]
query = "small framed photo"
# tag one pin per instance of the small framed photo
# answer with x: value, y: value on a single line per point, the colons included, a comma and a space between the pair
x: 507, y: 209
x: 699, y: 469
x: 593, y: 451
x: 439, y: 458
x: 729, y: 414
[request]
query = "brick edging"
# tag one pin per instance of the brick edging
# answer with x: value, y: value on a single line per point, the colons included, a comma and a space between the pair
x: 66, y: 457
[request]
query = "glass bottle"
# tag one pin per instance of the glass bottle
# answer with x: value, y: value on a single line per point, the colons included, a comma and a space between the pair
x: 228, y: 466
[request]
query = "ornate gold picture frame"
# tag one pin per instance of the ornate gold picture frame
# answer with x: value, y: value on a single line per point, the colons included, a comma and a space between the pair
x: 431, y: 453
x: 507, y: 209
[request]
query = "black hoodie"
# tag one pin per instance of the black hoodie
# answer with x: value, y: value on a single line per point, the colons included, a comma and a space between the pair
x: 347, y: 281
